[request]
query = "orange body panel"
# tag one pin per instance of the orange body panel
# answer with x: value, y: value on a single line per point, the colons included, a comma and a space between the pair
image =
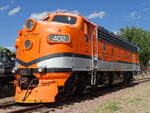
x: 43, y: 93
x: 46, y: 90
x: 60, y: 78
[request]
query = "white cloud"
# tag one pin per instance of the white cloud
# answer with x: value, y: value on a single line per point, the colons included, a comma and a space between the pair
x: 134, y: 15
x: 11, y: 48
x: 145, y: 9
x: 38, y: 16
x: 14, y: 11
x: 2, y: 8
x: 116, y: 32
x: 58, y: 10
x: 100, y: 15
x: 66, y: 11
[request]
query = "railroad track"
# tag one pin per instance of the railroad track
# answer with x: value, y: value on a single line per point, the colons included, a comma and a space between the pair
x: 28, y: 109
x: 45, y: 108
x: 17, y: 108
x: 7, y: 105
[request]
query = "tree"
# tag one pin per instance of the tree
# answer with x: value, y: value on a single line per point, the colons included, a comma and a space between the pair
x: 12, y: 52
x: 141, y: 38
x: 1, y: 48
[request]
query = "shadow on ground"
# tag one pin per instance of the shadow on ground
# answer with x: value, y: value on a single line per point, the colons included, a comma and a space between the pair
x: 97, y: 93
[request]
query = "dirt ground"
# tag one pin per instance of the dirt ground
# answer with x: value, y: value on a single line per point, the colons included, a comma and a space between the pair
x: 130, y: 99
x: 134, y: 99
x: 6, y: 100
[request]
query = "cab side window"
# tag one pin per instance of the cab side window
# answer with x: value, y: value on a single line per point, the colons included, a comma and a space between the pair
x: 46, y: 19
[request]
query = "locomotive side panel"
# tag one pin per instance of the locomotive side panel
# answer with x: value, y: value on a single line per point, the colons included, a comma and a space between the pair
x: 115, y: 56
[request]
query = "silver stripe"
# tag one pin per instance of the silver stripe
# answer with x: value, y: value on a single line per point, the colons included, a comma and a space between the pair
x: 84, y: 64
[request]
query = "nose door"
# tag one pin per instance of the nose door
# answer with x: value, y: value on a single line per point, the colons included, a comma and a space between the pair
x: 92, y: 34
x: 29, y: 49
x: 94, y: 54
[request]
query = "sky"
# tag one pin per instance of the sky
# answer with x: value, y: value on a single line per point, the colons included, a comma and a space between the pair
x: 111, y: 14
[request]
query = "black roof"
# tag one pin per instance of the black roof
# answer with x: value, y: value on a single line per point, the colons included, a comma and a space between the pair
x: 110, y: 37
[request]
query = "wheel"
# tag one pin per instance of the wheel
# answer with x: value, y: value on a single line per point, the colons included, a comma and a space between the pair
x: 74, y: 85
x: 107, y: 79
x: 128, y: 77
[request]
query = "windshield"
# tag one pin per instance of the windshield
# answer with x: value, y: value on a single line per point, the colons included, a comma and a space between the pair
x: 65, y: 19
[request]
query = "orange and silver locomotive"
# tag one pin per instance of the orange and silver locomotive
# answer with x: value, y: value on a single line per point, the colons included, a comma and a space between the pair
x: 66, y: 53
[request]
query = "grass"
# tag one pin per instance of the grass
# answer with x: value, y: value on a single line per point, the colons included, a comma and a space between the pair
x: 108, y: 108
x: 112, y: 107
x: 136, y: 100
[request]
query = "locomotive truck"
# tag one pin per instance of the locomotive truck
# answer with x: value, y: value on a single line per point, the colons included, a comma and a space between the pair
x: 66, y: 53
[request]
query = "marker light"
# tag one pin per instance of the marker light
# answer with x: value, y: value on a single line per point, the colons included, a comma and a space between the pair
x: 30, y: 24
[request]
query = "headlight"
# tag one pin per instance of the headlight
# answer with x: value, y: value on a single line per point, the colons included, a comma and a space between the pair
x: 30, y: 24
x: 58, y: 38
x: 41, y: 69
